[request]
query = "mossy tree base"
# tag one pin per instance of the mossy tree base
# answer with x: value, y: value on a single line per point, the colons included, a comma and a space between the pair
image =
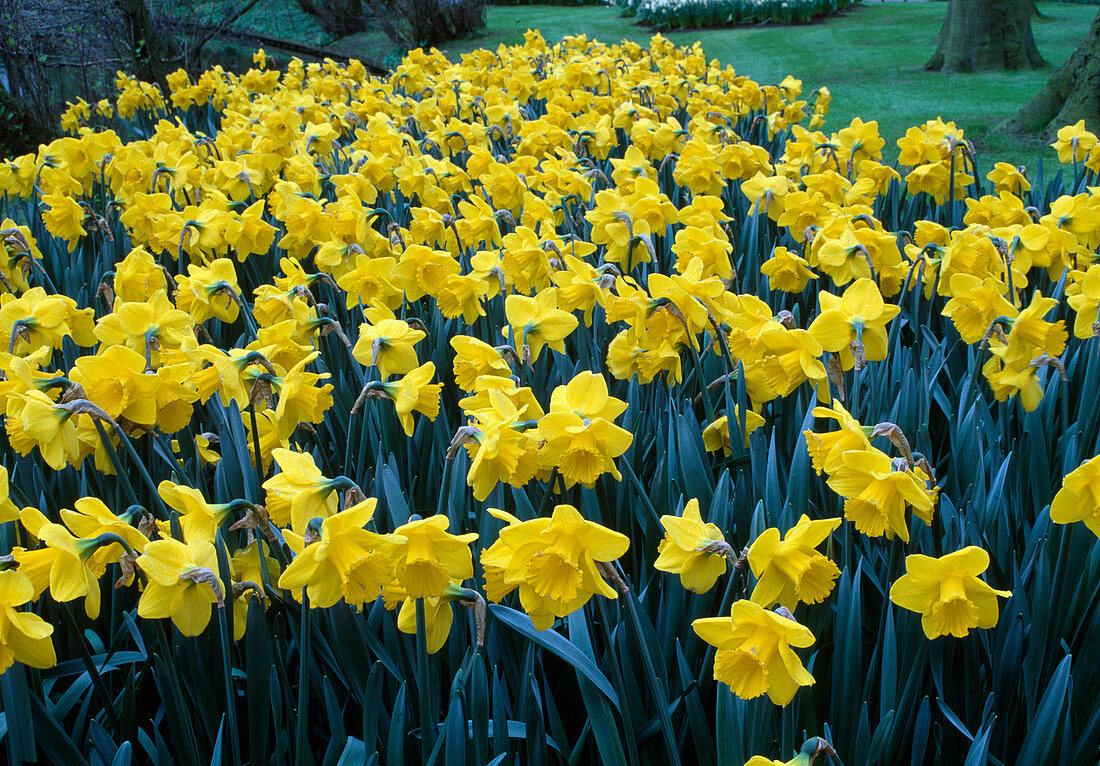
x: 1071, y: 94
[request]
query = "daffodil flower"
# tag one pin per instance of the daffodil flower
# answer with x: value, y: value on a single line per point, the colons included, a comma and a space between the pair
x: 61, y: 565
x: 342, y: 560
x: 756, y: 651
x: 877, y: 492
x: 688, y: 549
x: 947, y: 593
x: 300, y: 492
x: 790, y: 571
x: 24, y: 636
x: 553, y: 562
x: 537, y: 322
x: 1078, y: 499
x: 430, y: 557
x: 182, y: 583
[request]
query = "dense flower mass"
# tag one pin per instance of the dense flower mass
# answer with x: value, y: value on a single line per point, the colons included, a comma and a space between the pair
x: 516, y: 325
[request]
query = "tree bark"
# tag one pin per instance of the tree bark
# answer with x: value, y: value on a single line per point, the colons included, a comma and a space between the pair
x: 146, y: 44
x: 1071, y: 94
x: 339, y: 18
x: 986, y: 35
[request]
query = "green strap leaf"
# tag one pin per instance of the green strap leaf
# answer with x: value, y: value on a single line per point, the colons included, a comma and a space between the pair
x: 559, y: 645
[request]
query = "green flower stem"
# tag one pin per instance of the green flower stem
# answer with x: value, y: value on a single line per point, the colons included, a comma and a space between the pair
x: 227, y: 668
x: 639, y: 488
x: 258, y: 459
x: 423, y: 682
x: 174, y: 463
x: 301, y: 729
x: 91, y: 669
x: 708, y: 405
x: 109, y: 538
x: 656, y: 684
x: 545, y: 502
x: 144, y: 473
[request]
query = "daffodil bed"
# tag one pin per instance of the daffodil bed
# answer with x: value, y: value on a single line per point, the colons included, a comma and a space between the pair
x: 746, y: 438
x: 692, y: 14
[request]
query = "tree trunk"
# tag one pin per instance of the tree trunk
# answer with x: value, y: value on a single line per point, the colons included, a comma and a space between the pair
x: 339, y: 18
x: 146, y: 45
x: 416, y: 23
x: 986, y: 35
x: 1071, y: 94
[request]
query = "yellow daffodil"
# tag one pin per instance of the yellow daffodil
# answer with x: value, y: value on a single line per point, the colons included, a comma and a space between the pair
x: 388, y: 345
x: 438, y: 614
x: 632, y: 353
x: 877, y: 490
x: 552, y: 562
x: 787, y: 271
x: 33, y: 420
x: 537, y: 322
x: 789, y: 358
x: 300, y: 492
x: 1074, y: 143
x: 210, y: 291
x: 91, y: 518
x: 475, y: 358
x: 755, y: 654
x: 790, y: 571
x: 580, y: 439
x: 1009, y: 178
x: 975, y: 304
x: 827, y: 450
x: 854, y: 325
x: 716, y: 436
x: 502, y: 446
x: 429, y: 557
x: 1031, y: 335
x: 342, y: 560
x: 146, y: 327
x: 24, y: 636
x: 35, y: 320
x: 116, y: 380
x: 182, y: 583
x: 1078, y: 499
x: 947, y: 593
x: 421, y: 270
x: 138, y: 277
x: 64, y: 218
x: 684, y: 549
x: 198, y: 519
x: 414, y: 393
x: 61, y: 564
x: 1083, y: 296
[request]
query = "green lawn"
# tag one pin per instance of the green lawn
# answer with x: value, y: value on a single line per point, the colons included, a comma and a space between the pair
x: 870, y: 58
